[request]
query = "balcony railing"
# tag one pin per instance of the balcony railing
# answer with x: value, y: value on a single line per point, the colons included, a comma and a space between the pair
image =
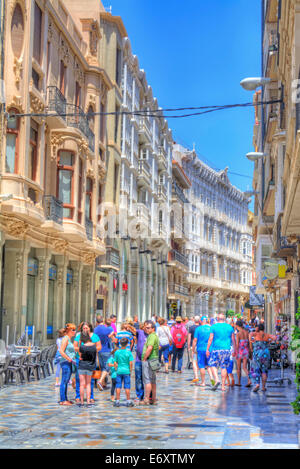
x: 179, y: 192
x: 56, y: 101
x: 53, y: 209
x: 89, y: 229
x: 177, y: 256
x: 176, y: 289
x: 77, y: 118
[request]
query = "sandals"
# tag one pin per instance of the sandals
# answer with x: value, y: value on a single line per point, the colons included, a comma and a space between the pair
x: 256, y: 389
x: 145, y: 402
x: 68, y: 403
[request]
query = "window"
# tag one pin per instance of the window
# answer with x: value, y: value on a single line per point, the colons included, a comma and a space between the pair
x: 116, y: 175
x: 100, y: 195
x: 17, y: 31
x: 12, y: 143
x: 91, y: 118
x: 37, y: 34
x: 62, y: 77
x: 35, y: 78
x: 33, y: 150
x: 77, y: 94
x: 65, y: 182
x: 79, y: 216
x: 118, y: 66
x: 117, y: 118
x: 88, y: 198
x: 102, y: 122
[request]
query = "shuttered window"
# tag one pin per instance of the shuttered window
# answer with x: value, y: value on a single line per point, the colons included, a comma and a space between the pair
x: 37, y: 35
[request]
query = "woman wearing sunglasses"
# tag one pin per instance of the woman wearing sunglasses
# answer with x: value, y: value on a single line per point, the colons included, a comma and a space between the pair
x: 67, y: 362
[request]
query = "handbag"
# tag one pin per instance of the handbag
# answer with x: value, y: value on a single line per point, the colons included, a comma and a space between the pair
x: 97, y: 373
x: 154, y: 364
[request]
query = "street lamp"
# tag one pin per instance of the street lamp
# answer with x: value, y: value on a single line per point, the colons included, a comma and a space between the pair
x: 250, y: 84
x: 249, y: 194
x: 255, y: 156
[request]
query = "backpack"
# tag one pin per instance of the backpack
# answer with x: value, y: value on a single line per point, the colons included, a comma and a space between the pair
x: 178, y: 337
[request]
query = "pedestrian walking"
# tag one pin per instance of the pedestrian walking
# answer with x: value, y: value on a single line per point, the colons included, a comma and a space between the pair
x: 112, y: 373
x: 260, y: 356
x: 61, y: 334
x: 123, y: 365
x: 138, y: 368
x: 150, y: 363
x: 220, y: 340
x: 242, y: 352
x: 165, y: 340
x: 179, y: 335
x: 200, y: 341
x: 106, y: 334
x: 67, y: 362
x: 190, y: 340
x: 84, y: 328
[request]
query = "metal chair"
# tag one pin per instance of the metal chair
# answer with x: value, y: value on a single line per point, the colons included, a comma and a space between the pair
x: 43, y: 362
x: 4, y: 371
x: 35, y: 366
x: 15, y: 369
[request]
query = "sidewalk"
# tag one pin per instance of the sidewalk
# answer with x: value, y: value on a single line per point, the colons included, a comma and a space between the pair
x: 187, y: 417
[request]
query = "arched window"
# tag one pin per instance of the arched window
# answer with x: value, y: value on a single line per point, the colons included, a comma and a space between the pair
x: 12, y: 143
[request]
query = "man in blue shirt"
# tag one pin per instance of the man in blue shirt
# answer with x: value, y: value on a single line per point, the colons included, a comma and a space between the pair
x: 105, y: 333
x: 200, y: 341
x: 218, y: 349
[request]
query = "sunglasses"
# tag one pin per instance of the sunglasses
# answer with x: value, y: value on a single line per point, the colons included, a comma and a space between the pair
x: 73, y: 330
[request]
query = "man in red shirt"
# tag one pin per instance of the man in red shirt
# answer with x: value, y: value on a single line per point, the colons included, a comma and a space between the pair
x: 179, y: 335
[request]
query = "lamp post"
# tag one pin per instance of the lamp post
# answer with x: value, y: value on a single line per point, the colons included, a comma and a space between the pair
x: 251, y: 84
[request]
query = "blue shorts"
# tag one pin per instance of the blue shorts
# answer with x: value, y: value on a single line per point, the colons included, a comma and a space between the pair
x: 123, y: 379
x: 103, y: 358
x: 202, y: 360
x: 230, y: 367
x: 219, y: 358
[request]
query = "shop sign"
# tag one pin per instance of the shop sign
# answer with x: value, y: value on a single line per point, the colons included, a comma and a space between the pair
x: 49, y: 330
x: 125, y: 287
x: 101, y: 283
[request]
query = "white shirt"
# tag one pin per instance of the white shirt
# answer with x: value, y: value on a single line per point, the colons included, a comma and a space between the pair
x: 164, y: 335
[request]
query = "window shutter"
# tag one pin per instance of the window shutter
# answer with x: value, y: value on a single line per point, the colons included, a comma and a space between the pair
x: 37, y: 33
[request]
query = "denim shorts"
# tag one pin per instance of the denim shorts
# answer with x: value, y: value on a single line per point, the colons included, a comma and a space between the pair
x: 123, y: 379
x: 85, y: 372
x: 103, y: 357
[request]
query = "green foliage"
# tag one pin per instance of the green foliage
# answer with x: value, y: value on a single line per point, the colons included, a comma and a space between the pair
x: 295, y: 347
x: 230, y: 313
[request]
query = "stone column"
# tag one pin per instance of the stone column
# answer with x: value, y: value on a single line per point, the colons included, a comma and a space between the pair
x: 60, y: 307
x: 2, y: 243
x: 86, y: 299
x: 77, y: 267
x: 41, y: 298
x: 15, y: 287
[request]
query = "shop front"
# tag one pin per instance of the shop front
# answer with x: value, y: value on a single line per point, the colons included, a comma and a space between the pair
x: 101, y: 284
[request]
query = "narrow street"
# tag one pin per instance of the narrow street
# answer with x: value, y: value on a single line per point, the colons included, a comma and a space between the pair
x: 187, y: 417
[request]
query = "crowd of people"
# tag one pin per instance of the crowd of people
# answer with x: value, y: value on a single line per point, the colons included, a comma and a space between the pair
x: 101, y: 353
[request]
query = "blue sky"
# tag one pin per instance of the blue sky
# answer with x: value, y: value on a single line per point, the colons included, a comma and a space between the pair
x: 195, y: 53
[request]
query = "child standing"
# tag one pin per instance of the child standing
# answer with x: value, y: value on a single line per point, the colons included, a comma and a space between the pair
x: 123, y: 365
x: 113, y: 374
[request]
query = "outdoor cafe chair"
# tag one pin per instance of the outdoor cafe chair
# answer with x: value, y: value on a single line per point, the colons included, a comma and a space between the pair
x: 4, y: 370
x: 15, y: 370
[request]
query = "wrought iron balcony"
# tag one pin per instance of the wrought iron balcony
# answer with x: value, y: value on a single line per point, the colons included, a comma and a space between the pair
x: 111, y: 259
x: 56, y: 101
x: 179, y: 193
x: 177, y: 289
x: 53, y: 209
x: 89, y: 229
x: 77, y: 118
x: 178, y: 257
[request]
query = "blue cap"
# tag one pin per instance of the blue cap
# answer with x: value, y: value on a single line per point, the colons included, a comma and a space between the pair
x: 204, y: 318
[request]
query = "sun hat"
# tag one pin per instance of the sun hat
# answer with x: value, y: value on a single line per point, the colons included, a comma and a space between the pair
x: 178, y: 319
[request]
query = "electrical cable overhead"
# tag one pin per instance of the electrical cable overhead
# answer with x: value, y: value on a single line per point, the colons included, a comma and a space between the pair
x: 150, y: 112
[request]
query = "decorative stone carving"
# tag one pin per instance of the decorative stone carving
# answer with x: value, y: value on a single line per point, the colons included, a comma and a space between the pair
x: 60, y: 276
x: 36, y: 104
x: 18, y: 265
x: 17, y: 228
x: 79, y: 74
x: 83, y: 146
x: 18, y: 67
x: 56, y: 142
x: 64, y: 52
x: 60, y: 245
x: 89, y: 258
x: 90, y: 174
x: 50, y: 30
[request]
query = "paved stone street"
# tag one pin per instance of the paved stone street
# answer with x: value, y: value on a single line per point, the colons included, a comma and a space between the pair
x: 186, y: 417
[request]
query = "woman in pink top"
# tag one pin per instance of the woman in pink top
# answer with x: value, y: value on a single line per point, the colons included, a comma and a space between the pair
x: 179, y: 335
x: 113, y: 322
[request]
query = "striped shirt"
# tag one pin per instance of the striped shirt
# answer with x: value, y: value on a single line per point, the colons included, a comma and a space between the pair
x: 126, y: 335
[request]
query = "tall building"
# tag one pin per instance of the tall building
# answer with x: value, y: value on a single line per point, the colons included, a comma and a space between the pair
x: 276, y: 174
x: 219, y: 246
x: 52, y: 164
